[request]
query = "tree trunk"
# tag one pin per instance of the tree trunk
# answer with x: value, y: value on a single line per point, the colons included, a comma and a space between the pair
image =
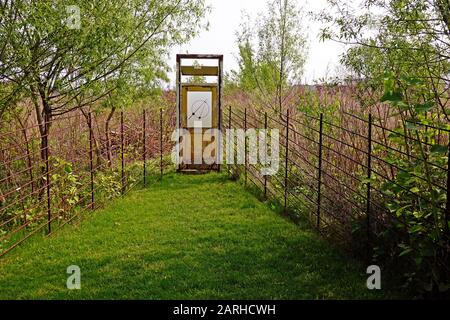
x: 43, y: 117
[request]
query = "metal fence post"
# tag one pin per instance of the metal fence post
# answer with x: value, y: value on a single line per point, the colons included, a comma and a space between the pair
x: 369, y: 175
x: 144, y: 147
x: 47, y: 172
x: 286, y: 163
x: 230, y: 148
x: 161, y: 141
x: 265, y: 176
x: 245, y: 145
x: 91, y: 162
x: 447, y: 205
x: 122, y: 153
x: 319, y: 174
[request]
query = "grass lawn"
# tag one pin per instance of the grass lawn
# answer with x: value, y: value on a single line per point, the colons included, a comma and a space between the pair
x: 187, y: 237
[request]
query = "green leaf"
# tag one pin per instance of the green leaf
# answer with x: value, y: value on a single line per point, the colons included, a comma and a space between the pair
x: 414, y: 190
x: 418, y: 214
x: 392, y: 207
x: 394, y: 96
x: 414, y: 81
x: 400, y: 105
x: 417, y: 228
x: 405, y: 251
x: 424, y: 107
x: 399, y: 212
x: 388, y: 82
x: 437, y: 148
x: 393, y: 135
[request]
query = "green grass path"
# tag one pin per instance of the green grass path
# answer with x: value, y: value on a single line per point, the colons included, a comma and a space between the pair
x: 187, y: 237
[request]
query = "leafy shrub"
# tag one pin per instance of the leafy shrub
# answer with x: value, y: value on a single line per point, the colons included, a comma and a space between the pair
x: 67, y: 186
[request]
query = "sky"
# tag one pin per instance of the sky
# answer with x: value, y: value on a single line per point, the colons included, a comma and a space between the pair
x: 224, y: 20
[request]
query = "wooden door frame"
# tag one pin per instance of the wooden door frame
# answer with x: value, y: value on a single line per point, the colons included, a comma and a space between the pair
x: 219, y: 95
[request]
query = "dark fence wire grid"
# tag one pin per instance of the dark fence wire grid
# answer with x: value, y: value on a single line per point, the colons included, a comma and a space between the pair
x: 308, y: 179
x: 38, y: 160
x: 311, y: 160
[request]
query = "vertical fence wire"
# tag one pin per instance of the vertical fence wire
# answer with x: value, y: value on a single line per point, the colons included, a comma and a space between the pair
x: 265, y: 154
x: 122, y: 171
x: 447, y: 204
x: 286, y: 163
x: 245, y: 146
x: 229, y: 149
x: 369, y: 176
x: 144, y: 151
x: 91, y: 161
x: 47, y: 172
x: 161, y: 142
x: 319, y: 173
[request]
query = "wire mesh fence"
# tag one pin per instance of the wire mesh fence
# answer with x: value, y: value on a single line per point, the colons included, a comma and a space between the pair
x: 372, y: 187
x: 355, y: 179
x: 53, y: 172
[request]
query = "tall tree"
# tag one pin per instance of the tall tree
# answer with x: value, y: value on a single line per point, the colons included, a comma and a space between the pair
x: 66, y: 57
x: 272, y: 53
